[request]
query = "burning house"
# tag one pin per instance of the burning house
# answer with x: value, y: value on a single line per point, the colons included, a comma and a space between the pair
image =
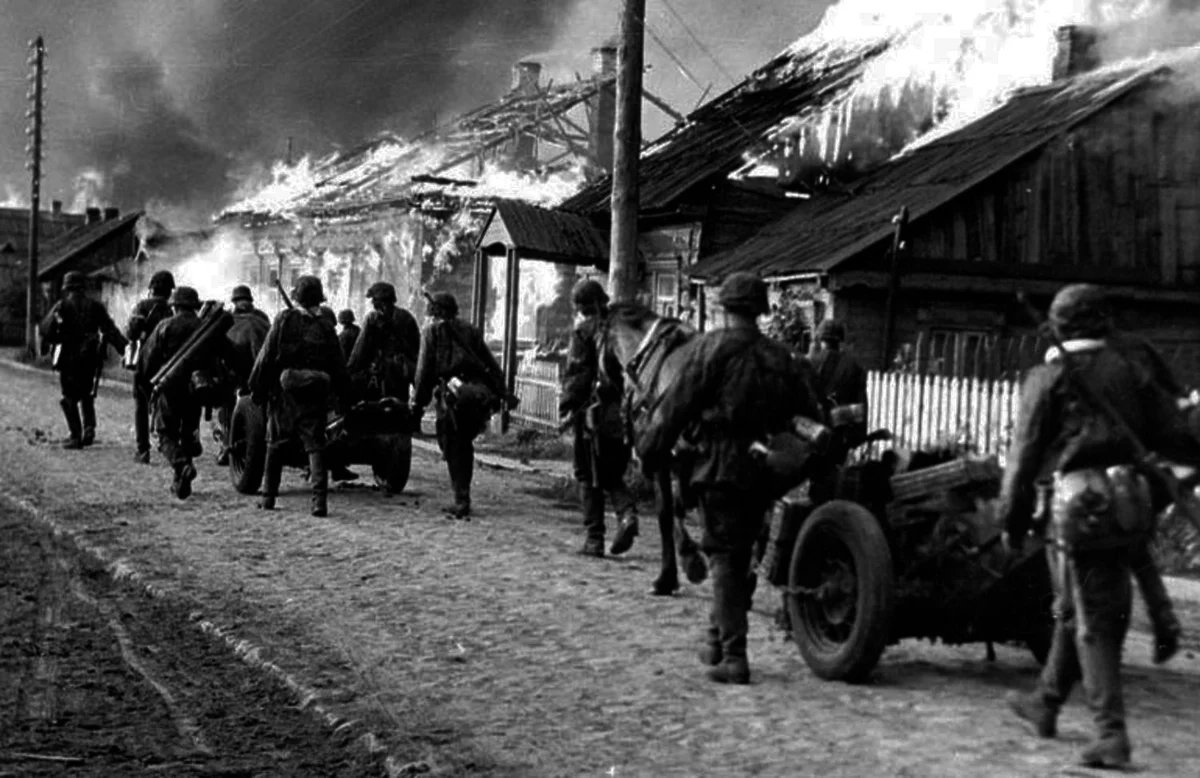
x: 409, y: 211
x: 1092, y: 176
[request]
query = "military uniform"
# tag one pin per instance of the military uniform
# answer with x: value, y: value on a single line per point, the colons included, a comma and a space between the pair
x: 458, y: 372
x: 738, y: 387
x: 177, y: 411
x: 841, y: 386
x: 349, y: 333
x: 1100, y: 510
x: 145, y: 318
x: 592, y: 391
x: 385, y: 353
x: 81, y: 328
x: 246, y: 336
x: 297, y: 369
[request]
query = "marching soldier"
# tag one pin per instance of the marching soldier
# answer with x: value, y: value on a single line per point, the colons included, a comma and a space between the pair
x: 593, y: 388
x: 457, y: 372
x: 385, y: 353
x: 81, y: 329
x: 738, y: 387
x: 176, y: 410
x: 248, y: 333
x: 144, y: 319
x: 299, y: 370
x: 349, y: 333
x: 1101, y: 507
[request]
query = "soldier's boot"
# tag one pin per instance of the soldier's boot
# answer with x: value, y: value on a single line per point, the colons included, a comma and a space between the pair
x: 711, y: 653
x: 593, y: 520
x: 1034, y: 708
x: 320, y: 483
x: 460, y: 470
x: 627, y: 522
x: 185, y: 473
x: 729, y: 618
x: 74, y: 425
x: 1100, y: 657
x: 88, y: 406
x: 272, y: 475
x: 1111, y: 751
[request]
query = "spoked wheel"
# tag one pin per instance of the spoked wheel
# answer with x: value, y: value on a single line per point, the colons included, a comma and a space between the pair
x: 840, y: 591
x: 247, y: 446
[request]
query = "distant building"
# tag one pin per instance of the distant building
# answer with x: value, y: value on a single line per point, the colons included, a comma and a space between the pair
x: 14, y: 261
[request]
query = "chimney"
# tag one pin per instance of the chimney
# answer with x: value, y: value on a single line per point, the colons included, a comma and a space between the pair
x: 525, y: 77
x: 1076, y: 51
x: 525, y: 83
x: 604, y: 108
x: 56, y: 207
x: 111, y: 213
x: 93, y: 215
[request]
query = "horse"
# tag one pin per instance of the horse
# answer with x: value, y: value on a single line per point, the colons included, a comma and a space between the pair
x: 651, y: 350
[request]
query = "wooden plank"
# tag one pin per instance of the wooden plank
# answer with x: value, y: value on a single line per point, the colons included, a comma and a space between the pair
x: 1168, y: 216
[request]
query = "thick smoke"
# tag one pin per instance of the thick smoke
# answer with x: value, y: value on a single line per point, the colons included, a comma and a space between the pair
x: 177, y: 104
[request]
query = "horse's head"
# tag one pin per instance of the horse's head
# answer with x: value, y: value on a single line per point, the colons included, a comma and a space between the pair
x: 628, y: 325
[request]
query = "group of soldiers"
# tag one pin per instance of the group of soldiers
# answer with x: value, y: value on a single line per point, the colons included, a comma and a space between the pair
x: 1097, y: 509
x: 298, y: 368
x: 1073, y: 472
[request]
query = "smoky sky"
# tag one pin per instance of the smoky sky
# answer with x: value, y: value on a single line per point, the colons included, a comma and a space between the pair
x: 184, y: 102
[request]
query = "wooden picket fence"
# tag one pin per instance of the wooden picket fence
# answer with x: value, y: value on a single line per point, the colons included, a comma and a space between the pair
x: 923, y: 412
x: 538, y: 383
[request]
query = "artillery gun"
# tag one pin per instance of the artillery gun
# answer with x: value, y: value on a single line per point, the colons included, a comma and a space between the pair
x: 902, y: 553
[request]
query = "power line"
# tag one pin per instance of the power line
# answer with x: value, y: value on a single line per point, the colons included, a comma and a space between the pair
x: 708, y: 52
x: 678, y: 62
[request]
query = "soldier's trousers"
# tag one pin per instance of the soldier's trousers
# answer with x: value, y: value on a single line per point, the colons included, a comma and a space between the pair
x: 76, y: 386
x: 458, y: 449
x: 1154, y: 591
x: 177, y: 425
x: 733, y: 520
x: 1093, y: 595
x: 601, y: 477
x: 141, y: 416
x: 290, y: 419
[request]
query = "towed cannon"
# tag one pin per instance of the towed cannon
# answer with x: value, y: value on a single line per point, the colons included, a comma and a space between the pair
x: 898, y: 555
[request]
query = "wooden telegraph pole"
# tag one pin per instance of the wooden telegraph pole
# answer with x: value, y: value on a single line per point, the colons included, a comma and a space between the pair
x: 622, y: 266
x: 37, y: 60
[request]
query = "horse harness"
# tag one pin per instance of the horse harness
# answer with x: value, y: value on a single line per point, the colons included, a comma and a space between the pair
x: 647, y: 363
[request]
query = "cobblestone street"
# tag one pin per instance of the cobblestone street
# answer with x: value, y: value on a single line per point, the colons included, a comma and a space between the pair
x: 490, y: 647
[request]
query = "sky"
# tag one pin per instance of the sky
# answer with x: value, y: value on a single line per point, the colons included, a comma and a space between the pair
x: 176, y: 104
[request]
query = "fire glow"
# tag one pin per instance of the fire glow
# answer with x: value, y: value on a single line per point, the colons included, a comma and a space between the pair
x: 943, y: 64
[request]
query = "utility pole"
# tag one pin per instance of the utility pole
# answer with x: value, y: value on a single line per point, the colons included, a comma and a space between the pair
x: 37, y: 59
x: 622, y: 263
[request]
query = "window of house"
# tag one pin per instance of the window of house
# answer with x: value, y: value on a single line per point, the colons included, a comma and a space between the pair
x: 666, y: 294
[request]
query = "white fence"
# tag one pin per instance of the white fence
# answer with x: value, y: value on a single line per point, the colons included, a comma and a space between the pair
x: 927, y: 412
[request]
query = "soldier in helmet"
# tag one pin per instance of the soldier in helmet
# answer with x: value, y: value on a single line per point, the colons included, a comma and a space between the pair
x: 145, y: 317
x: 841, y: 386
x: 247, y: 335
x: 349, y: 333
x: 298, y: 373
x: 1101, y: 512
x: 176, y: 409
x: 384, y: 357
x: 81, y: 329
x: 458, y: 372
x: 593, y: 387
x: 737, y: 386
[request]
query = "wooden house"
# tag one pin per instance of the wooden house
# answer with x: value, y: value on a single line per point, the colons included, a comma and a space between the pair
x: 1094, y: 177
x: 14, y: 260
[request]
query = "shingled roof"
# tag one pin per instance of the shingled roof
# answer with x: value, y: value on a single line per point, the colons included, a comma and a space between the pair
x: 541, y: 233
x: 827, y: 230
x: 717, y: 137
x: 69, y: 251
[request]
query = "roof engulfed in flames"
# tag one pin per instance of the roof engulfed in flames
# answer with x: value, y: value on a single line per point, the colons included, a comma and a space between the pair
x: 441, y: 166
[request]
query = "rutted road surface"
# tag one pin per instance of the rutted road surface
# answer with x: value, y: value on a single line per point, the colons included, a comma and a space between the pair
x: 489, y: 647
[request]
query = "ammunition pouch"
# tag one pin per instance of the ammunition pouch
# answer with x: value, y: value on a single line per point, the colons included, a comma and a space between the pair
x: 469, y: 404
x: 306, y: 386
x: 1097, y: 508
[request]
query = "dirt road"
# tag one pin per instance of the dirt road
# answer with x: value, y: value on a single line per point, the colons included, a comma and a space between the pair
x: 489, y: 647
